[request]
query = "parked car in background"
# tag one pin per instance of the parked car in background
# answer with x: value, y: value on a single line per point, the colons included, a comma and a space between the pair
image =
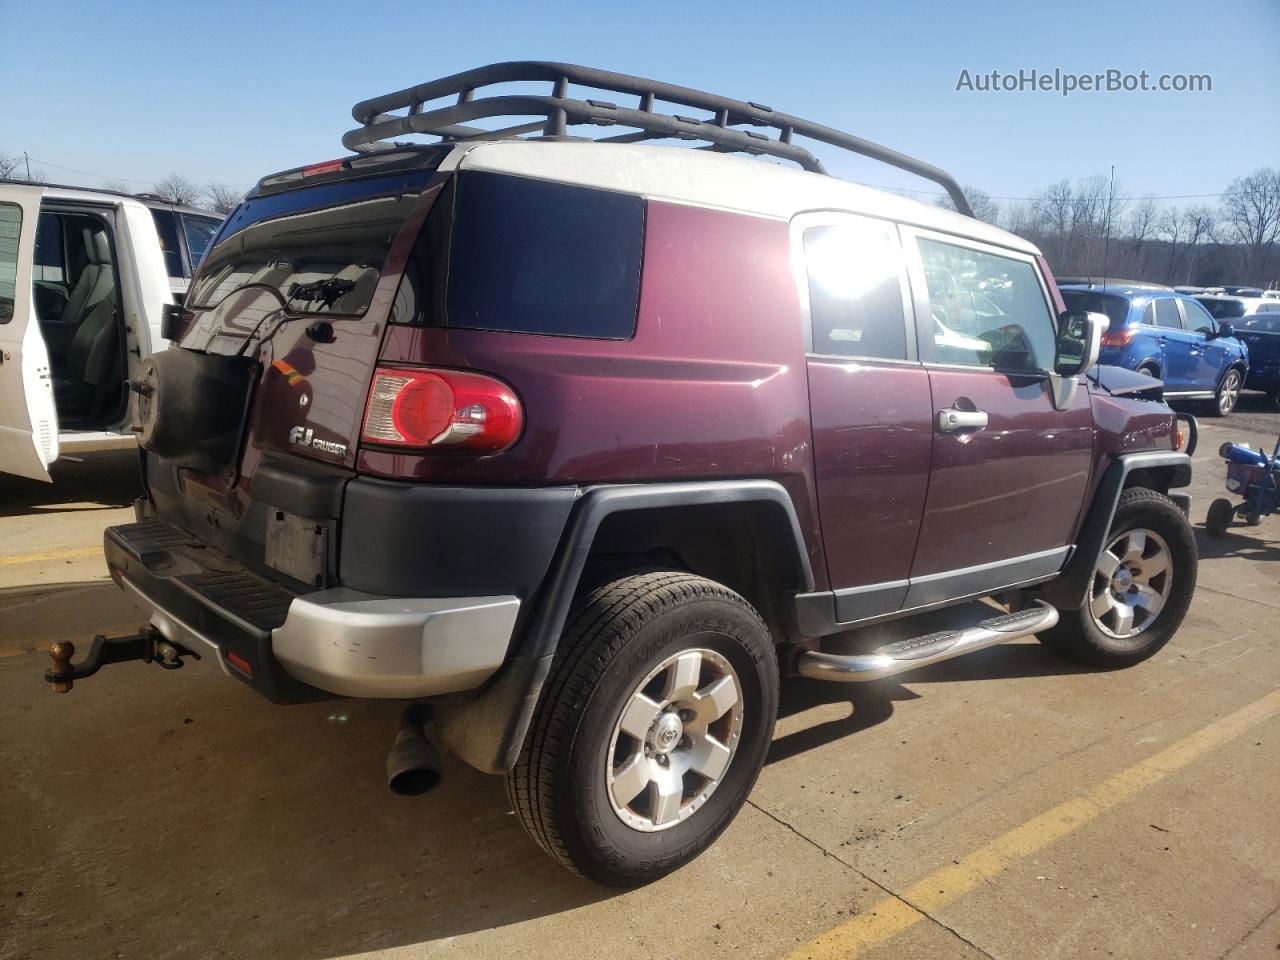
x: 1171, y: 337
x: 1271, y: 294
x: 84, y: 279
x: 1235, y: 291
x: 184, y: 234
x: 428, y: 432
x: 1260, y: 331
x: 1225, y: 307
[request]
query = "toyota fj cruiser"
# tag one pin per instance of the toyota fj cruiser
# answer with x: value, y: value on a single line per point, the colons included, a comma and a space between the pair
x: 578, y: 445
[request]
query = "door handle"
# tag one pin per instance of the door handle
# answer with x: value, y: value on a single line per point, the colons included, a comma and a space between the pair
x: 952, y: 420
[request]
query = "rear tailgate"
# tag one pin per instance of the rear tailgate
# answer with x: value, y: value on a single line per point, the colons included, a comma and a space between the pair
x: 302, y: 280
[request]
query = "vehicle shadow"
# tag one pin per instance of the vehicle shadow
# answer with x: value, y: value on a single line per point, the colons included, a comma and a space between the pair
x: 108, y: 479
x: 872, y: 702
x: 1249, y: 543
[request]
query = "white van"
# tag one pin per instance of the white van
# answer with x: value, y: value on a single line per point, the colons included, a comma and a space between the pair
x: 84, y: 278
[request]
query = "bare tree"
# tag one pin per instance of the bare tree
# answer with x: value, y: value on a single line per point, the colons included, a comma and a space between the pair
x: 1200, y: 223
x: 178, y: 189
x: 116, y: 186
x: 9, y: 165
x: 984, y: 208
x: 1142, y: 227
x: 1170, y: 228
x: 1251, y: 209
x: 222, y: 198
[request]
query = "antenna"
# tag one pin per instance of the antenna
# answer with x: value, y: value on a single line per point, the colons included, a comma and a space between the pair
x: 1106, y: 242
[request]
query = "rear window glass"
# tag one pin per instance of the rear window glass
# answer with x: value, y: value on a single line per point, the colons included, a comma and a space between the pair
x: 1115, y: 308
x: 1223, y: 309
x: 528, y: 256
x: 1261, y: 323
x: 322, y: 248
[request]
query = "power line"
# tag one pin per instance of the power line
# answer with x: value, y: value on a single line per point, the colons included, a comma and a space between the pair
x: 102, y: 176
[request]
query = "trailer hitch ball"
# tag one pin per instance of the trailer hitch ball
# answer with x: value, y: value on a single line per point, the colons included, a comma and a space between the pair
x: 62, y: 652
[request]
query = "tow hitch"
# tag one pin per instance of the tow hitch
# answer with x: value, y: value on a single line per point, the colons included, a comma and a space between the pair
x: 147, y: 645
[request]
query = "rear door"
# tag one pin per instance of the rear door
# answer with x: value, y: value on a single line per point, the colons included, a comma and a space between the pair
x: 1009, y: 471
x: 28, y: 420
x: 869, y: 403
x: 1180, y: 352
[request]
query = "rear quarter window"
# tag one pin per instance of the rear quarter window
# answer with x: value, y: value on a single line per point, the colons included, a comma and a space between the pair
x: 529, y: 256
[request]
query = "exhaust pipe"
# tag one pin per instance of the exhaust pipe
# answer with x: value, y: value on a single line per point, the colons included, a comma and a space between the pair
x: 413, y: 765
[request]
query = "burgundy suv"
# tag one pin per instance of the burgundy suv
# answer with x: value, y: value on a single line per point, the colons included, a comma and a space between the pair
x: 577, y: 445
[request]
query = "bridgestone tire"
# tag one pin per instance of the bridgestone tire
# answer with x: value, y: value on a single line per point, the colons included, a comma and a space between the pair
x: 616, y: 636
x: 1078, y: 637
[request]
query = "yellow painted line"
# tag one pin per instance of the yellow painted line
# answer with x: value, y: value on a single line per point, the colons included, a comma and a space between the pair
x: 51, y: 557
x: 892, y: 915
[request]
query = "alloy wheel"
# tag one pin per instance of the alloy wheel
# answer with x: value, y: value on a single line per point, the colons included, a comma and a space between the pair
x: 1229, y: 392
x: 674, y: 740
x: 1131, y: 582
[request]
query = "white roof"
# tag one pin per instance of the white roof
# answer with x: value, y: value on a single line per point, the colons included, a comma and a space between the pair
x: 725, y: 181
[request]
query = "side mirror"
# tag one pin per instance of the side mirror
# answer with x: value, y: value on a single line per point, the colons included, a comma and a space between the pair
x: 1079, y: 341
x: 1226, y: 330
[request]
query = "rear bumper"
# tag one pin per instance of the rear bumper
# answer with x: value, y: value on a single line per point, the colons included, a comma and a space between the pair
x: 292, y: 646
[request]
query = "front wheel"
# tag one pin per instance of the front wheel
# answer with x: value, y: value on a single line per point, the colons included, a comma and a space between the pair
x: 1228, y: 393
x: 652, y: 727
x: 1141, y: 586
x: 1221, y: 513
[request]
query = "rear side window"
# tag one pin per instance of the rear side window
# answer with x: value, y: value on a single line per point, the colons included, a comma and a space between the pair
x: 167, y: 227
x: 987, y: 310
x: 10, y: 229
x: 1167, y: 314
x: 855, y: 290
x: 529, y: 256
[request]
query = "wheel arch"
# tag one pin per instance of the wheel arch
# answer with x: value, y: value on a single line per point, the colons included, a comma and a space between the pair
x: 616, y: 529
x: 1159, y: 470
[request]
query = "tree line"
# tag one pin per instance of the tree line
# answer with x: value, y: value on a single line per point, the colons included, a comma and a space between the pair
x: 174, y: 188
x: 1090, y: 229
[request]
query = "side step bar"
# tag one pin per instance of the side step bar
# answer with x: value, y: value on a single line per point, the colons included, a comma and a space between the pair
x: 921, y: 651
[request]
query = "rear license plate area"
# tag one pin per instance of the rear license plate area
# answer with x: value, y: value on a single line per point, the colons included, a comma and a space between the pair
x: 297, y: 546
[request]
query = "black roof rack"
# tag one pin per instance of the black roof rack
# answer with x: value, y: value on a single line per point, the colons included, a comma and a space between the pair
x: 722, y: 132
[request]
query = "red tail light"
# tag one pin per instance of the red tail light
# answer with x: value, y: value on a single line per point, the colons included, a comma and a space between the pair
x: 1118, y: 338
x: 444, y: 409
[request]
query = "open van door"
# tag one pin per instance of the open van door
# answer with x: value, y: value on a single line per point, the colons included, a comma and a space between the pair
x: 28, y: 419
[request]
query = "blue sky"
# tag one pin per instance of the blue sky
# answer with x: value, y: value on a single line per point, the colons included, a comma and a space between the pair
x: 229, y: 92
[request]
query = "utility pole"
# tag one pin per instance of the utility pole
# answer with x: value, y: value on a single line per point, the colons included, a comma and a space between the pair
x: 27, y: 159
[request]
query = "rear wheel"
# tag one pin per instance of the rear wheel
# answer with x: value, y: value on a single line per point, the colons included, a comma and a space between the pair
x: 1141, y: 586
x: 1228, y: 393
x: 1149, y: 370
x: 651, y: 730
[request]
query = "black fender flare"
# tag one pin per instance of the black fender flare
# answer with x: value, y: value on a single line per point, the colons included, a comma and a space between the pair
x: 1067, y: 590
x: 488, y: 731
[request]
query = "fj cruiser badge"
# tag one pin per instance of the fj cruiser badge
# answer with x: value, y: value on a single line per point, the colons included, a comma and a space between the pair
x: 305, y: 437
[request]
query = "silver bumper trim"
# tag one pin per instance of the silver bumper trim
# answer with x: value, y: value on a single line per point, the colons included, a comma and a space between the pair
x: 361, y: 645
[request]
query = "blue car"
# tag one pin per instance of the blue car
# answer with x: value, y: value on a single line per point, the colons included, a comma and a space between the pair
x: 1169, y: 336
x: 1261, y: 332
